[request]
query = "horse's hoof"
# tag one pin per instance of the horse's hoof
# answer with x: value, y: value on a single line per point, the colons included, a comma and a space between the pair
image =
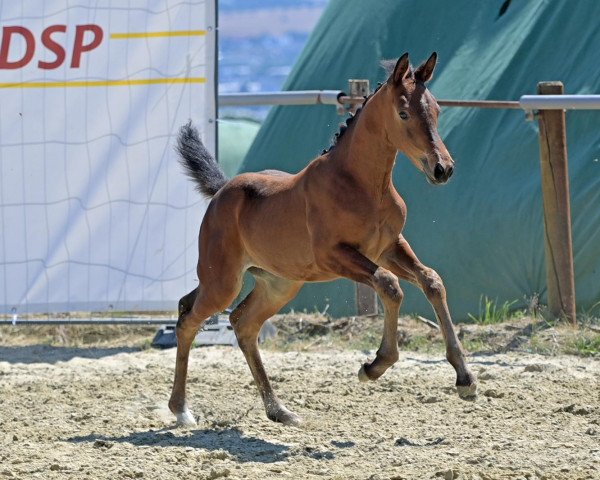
x: 285, y: 416
x: 362, y: 374
x: 186, y: 419
x: 467, y: 392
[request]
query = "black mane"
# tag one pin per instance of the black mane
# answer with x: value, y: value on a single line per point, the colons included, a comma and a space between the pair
x: 349, y: 121
x: 388, y: 66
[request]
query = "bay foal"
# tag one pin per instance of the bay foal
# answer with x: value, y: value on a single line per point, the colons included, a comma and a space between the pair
x: 339, y: 217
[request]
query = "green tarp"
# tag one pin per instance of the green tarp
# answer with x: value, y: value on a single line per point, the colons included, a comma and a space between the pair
x: 483, y: 231
x: 235, y: 138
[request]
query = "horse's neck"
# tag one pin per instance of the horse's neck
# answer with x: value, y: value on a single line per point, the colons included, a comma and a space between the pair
x: 366, y: 153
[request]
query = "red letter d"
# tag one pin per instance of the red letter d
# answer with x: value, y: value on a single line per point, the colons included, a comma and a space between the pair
x: 29, y: 47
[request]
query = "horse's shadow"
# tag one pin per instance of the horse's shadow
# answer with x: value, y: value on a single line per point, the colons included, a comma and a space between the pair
x: 231, y: 440
x: 52, y: 354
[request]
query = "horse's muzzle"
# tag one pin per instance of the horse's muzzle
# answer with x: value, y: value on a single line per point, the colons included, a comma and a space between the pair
x: 442, y: 174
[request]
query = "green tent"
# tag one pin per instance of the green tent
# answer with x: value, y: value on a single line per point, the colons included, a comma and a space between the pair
x: 235, y: 137
x: 483, y: 231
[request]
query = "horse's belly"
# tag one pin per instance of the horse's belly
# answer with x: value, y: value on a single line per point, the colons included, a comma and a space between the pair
x: 277, y: 240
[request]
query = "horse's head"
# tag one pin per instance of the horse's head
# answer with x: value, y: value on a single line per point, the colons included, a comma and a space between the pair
x: 411, y: 120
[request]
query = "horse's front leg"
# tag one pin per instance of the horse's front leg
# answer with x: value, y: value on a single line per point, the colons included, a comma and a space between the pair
x: 348, y: 262
x: 403, y: 262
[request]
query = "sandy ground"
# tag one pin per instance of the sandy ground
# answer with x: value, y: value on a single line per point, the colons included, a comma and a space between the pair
x: 101, y: 414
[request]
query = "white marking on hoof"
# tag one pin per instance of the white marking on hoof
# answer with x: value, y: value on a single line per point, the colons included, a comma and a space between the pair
x: 468, y: 392
x: 362, y: 374
x: 186, y: 419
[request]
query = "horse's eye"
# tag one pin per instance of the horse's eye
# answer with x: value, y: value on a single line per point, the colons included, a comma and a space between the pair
x: 403, y: 115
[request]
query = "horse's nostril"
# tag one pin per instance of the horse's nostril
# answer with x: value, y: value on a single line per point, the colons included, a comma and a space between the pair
x: 438, y: 172
x: 450, y: 171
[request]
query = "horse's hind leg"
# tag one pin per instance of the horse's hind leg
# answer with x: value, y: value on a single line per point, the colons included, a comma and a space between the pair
x: 401, y: 260
x: 268, y: 296
x: 194, y: 310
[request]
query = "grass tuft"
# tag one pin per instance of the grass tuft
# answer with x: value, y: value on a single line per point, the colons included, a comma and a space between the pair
x: 491, y: 313
x: 585, y: 346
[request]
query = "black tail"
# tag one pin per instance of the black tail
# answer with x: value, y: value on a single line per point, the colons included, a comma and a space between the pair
x: 199, y: 165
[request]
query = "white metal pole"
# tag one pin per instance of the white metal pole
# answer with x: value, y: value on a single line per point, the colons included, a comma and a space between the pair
x: 560, y: 102
x: 298, y: 97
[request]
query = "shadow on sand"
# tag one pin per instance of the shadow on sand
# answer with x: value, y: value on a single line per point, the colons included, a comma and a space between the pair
x: 231, y: 440
x: 50, y: 354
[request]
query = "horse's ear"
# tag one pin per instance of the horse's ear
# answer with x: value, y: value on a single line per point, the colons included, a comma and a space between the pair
x: 401, y: 70
x: 425, y: 70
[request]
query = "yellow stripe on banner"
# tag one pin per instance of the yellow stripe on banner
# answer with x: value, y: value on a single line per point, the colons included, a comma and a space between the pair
x: 102, y: 83
x: 175, y: 33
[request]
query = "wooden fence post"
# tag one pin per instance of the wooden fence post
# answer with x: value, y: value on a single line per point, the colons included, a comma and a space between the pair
x: 366, y: 300
x: 557, y: 211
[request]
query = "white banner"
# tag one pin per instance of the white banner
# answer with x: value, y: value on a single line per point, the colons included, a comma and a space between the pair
x: 95, y: 212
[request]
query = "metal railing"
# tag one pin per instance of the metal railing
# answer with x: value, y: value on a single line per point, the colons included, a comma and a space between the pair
x: 298, y: 97
x: 134, y: 320
x: 559, y: 102
x: 340, y: 98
